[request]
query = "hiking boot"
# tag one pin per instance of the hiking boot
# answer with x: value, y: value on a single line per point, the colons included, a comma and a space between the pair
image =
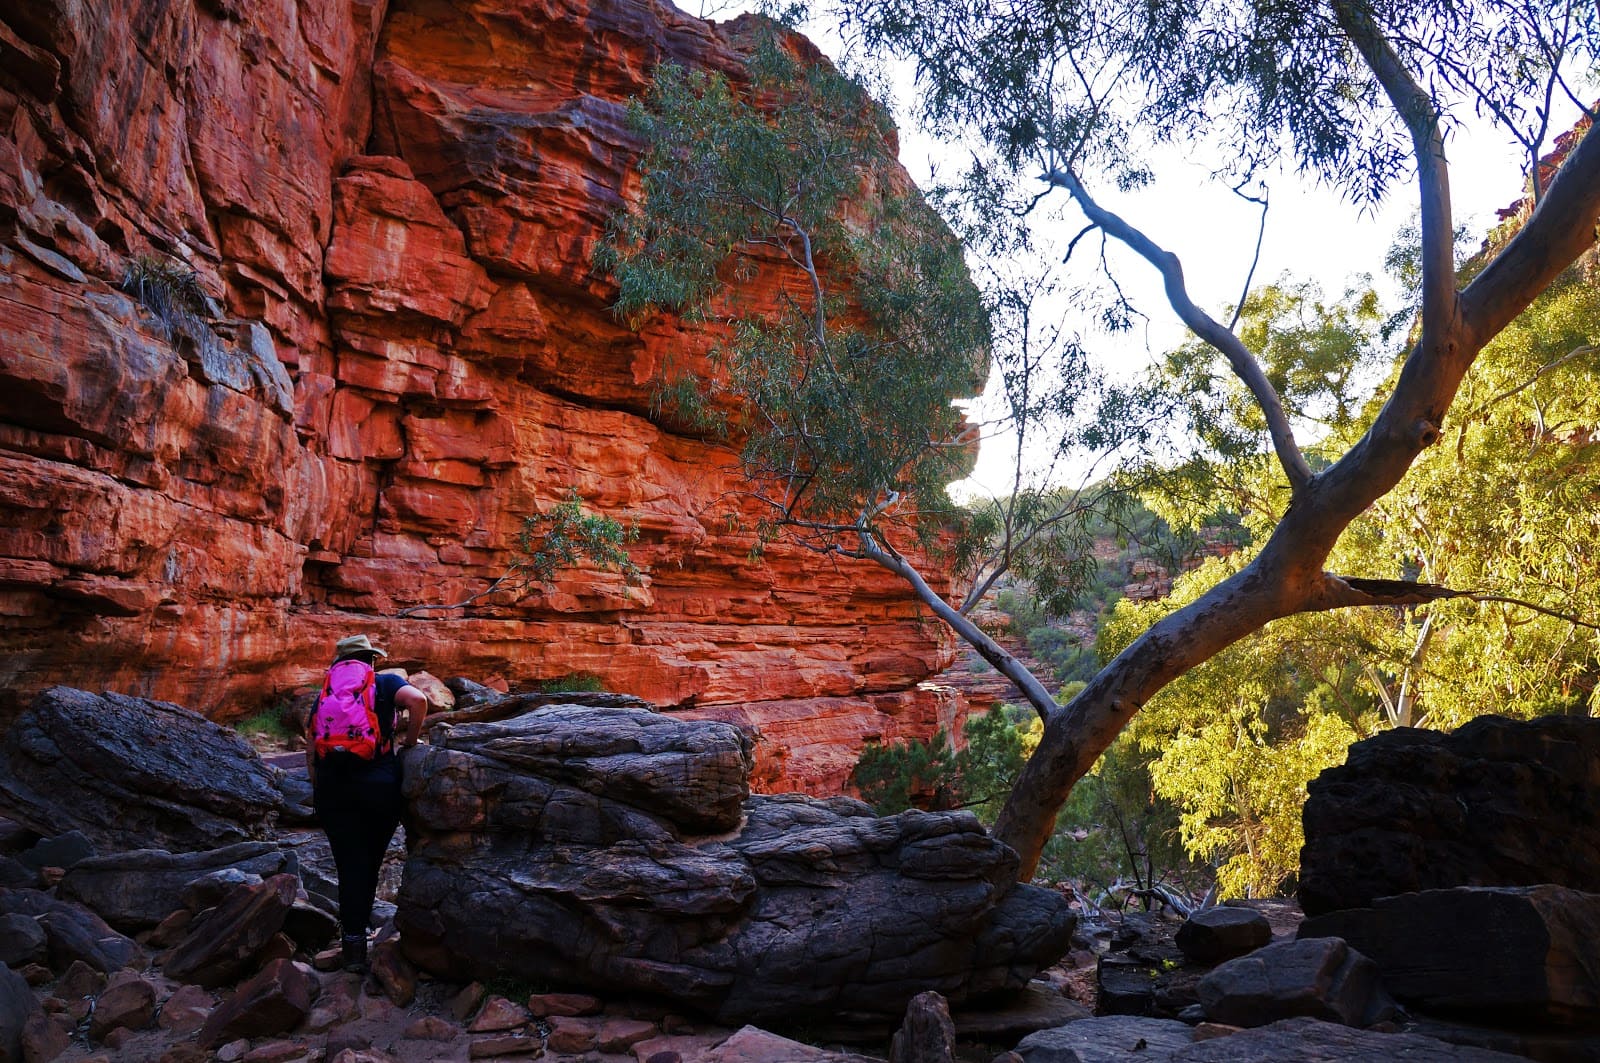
x: 353, y: 948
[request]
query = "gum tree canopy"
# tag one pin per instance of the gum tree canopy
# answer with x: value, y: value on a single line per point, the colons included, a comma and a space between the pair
x: 1357, y: 92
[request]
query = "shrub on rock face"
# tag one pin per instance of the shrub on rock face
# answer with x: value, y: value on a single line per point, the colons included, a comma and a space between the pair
x: 133, y: 774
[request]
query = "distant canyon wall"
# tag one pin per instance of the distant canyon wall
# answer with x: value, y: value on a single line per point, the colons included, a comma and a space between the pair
x: 392, y: 206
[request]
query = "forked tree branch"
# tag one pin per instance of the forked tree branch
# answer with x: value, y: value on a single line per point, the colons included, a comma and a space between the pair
x: 1421, y: 117
x: 1346, y: 591
x: 1244, y: 363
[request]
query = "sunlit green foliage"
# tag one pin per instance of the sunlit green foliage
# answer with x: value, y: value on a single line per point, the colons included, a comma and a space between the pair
x: 1506, y: 504
x: 933, y: 775
x: 1116, y: 834
x: 565, y: 534
x: 842, y: 390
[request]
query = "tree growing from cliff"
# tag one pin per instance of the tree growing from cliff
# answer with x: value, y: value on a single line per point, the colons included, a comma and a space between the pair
x: 1353, y: 91
x: 840, y: 396
x: 550, y: 542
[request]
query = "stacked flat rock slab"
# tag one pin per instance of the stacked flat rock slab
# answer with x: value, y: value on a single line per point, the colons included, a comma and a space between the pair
x: 1495, y: 803
x: 133, y: 774
x: 138, y: 889
x: 1517, y: 955
x: 619, y: 849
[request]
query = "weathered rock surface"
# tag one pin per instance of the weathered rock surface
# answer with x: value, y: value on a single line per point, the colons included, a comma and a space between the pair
x: 276, y: 999
x: 1495, y: 803
x: 133, y: 774
x: 1319, y: 978
x: 1308, y: 1040
x: 1212, y: 935
x: 927, y: 1035
x: 603, y: 874
x: 1514, y: 955
x: 16, y: 1005
x: 136, y: 890
x: 391, y: 207
x: 1109, y: 1039
x: 221, y: 942
x: 72, y: 932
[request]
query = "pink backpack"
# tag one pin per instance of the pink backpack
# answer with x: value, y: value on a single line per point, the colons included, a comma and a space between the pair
x: 346, y: 717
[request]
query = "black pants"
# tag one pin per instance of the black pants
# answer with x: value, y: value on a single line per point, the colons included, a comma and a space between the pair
x: 359, y: 807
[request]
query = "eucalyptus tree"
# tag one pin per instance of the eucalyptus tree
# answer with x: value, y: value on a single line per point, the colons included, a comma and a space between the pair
x: 1359, y: 93
x: 839, y: 389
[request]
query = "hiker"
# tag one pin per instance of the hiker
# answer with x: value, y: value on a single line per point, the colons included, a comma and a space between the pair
x: 355, y: 776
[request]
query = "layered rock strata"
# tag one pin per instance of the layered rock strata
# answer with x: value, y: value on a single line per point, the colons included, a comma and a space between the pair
x: 401, y: 352
x: 619, y: 849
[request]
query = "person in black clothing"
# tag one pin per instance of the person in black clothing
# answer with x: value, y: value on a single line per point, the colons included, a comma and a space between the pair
x: 358, y: 802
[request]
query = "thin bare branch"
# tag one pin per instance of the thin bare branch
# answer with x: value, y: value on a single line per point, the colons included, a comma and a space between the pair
x: 1202, y: 324
x: 1421, y: 116
x: 1255, y: 260
x: 1345, y: 591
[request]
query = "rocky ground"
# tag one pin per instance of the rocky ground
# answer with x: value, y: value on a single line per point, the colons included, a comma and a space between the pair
x: 593, y: 882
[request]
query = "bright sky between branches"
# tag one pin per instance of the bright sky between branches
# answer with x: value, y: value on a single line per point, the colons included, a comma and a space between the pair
x: 1311, y: 232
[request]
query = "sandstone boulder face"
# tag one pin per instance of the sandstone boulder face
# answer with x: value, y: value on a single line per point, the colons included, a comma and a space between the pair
x: 391, y: 205
x: 596, y: 870
x: 133, y: 774
x: 1495, y: 803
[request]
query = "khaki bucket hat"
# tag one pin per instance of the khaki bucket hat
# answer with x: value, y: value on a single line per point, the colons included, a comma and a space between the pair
x: 351, y: 645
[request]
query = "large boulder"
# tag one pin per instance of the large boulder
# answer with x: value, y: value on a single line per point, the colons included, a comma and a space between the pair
x: 1514, y: 955
x: 1320, y: 978
x: 222, y: 942
x: 133, y: 774
x: 72, y: 932
x: 615, y: 848
x: 1495, y: 803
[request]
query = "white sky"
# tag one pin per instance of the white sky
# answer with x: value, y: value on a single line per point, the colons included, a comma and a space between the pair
x: 1311, y: 233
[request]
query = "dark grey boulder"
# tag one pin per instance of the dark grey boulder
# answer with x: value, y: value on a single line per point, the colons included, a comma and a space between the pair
x: 133, y: 774
x: 1010, y: 1018
x: 16, y: 1005
x: 927, y: 1035
x: 1307, y: 1040
x: 136, y: 890
x: 73, y: 932
x: 471, y: 695
x: 1109, y: 1039
x: 14, y: 874
x: 309, y: 927
x: 22, y: 940
x: 1321, y: 978
x: 1511, y: 955
x: 694, y: 774
x: 65, y: 851
x: 1212, y: 935
x: 609, y: 848
x: 1497, y: 802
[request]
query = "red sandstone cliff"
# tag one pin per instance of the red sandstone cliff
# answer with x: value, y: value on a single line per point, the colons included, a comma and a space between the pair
x: 393, y: 205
